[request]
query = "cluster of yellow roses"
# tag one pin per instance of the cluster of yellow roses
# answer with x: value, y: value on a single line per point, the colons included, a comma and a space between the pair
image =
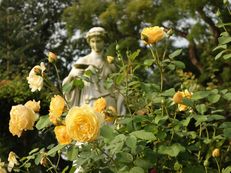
x: 178, y: 97
x: 81, y: 123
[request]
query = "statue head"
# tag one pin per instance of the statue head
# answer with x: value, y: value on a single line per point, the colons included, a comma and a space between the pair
x: 95, y: 38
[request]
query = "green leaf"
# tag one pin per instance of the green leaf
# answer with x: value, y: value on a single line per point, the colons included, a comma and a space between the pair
x: 227, y: 56
x: 194, y: 169
x: 200, y: 119
x: 131, y: 143
x: 160, y: 118
x: 43, y: 122
x: 107, y: 132
x: 220, y: 54
x: 224, y: 46
x: 141, y: 134
x: 65, y: 169
x: 225, y: 125
x: 170, y: 92
x: 175, y: 53
x: 124, y: 157
x: 224, y: 40
x: 201, y: 108
x: 67, y: 87
x: 134, y: 55
x: 136, y: 170
x: 171, y: 66
x: 119, y: 79
x: 78, y: 83
x: 186, y: 121
x: 215, y: 117
x: 172, y: 150
x: 227, y: 132
x: 214, y: 98
x: 55, y: 149
x: 200, y: 95
x: 142, y: 163
x: 226, y: 170
x: 72, y: 153
x: 148, y: 62
x: 33, y: 151
x: 179, y: 64
x: 187, y: 102
x: 227, y: 96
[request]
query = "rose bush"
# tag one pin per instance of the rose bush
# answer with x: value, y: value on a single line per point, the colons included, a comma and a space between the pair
x: 182, y: 129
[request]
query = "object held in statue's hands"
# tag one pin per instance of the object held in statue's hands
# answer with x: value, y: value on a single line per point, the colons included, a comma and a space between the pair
x: 81, y: 66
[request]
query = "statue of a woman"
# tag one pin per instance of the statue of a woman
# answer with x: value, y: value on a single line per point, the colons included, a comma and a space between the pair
x: 100, y: 68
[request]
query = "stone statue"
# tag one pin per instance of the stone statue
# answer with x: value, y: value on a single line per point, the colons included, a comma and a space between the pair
x: 100, y: 68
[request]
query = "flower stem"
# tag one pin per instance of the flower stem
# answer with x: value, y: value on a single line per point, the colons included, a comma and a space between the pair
x: 218, y: 166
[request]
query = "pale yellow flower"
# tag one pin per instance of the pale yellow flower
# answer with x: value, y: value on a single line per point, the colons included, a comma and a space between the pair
x: 52, y: 57
x: 110, y: 59
x: 21, y: 118
x: 152, y: 35
x: 35, y: 106
x: 35, y: 78
x: 57, y: 106
x: 61, y: 135
x: 177, y: 98
x: 100, y: 105
x: 2, y: 169
x: 12, y: 159
x: 83, y: 123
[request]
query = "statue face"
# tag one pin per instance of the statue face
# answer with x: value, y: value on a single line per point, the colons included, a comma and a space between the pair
x: 97, y: 44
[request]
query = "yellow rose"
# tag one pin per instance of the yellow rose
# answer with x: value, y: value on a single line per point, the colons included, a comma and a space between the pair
x: 216, y: 152
x: 21, y: 118
x: 12, y: 161
x: 34, y: 79
x: 100, y: 105
x: 110, y: 59
x: 177, y: 98
x: 35, y: 106
x: 83, y: 123
x: 52, y: 57
x: 57, y: 105
x: 152, y: 35
x: 61, y: 135
x: 110, y: 115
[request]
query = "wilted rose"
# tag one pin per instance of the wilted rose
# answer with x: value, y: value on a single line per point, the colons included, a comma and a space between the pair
x: 12, y: 161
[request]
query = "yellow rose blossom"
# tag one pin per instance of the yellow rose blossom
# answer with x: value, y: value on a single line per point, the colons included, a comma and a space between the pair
x: 110, y: 115
x: 35, y: 106
x: 152, y: 35
x: 177, y: 98
x: 12, y: 158
x: 21, y: 118
x: 110, y: 59
x: 83, y: 123
x: 100, y: 105
x: 57, y: 105
x: 52, y: 57
x: 216, y: 152
x: 34, y: 79
x: 61, y: 135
